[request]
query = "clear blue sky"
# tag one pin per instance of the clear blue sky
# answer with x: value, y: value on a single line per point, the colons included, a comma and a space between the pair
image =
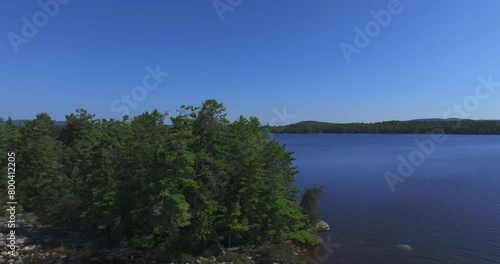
x: 263, y: 55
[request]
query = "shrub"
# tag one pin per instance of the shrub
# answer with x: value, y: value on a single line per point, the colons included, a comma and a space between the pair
x: 186, y: 258
x: 283, y: 252
x: 234, y: 257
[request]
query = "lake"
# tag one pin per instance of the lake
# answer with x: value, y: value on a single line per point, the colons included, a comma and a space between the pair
x: 447, y: 209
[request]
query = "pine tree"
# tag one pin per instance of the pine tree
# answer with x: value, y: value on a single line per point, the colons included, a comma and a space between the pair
x: 100, y: 214
x: 46, y: 190
x: 310, y: 206
x: 81, y: 140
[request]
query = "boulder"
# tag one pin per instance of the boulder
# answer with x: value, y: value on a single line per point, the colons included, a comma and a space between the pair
x: 322, y: 226
x: 405, y: 247
x: 21, y: 223
x: 22, y: 240
x: 29, y: 249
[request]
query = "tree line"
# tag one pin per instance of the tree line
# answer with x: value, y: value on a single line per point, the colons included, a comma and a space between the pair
x: 458, y: 126
x: 139, y: 182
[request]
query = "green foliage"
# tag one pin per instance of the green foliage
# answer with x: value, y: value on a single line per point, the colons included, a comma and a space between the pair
x: 43, y: 186
x: 283, y: 253
x: 310, y: 206
x: 187, y: 187
x: 10, y: 139
x: 306, y: 237
x: 186, y: 258
x: 234, y: 257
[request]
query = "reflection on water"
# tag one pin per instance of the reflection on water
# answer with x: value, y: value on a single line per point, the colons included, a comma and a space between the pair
x: 448, y: 210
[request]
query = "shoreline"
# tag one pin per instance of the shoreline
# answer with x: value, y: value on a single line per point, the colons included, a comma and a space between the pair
x: 34, y: 245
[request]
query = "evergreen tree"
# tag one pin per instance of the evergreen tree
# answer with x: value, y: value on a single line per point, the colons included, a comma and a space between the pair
x: 80, y: 138
x: 310, y: 206
x: 45, y: 188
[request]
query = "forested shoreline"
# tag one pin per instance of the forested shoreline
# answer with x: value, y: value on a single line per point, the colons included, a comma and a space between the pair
x: 183, y: 188
x: 446, y: 126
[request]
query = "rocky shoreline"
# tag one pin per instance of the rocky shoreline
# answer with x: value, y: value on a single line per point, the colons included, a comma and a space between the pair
x: 33, y: 246
x: 30, y: 246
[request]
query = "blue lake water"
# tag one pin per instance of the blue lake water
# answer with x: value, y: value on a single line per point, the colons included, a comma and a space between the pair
x: 447, y: 210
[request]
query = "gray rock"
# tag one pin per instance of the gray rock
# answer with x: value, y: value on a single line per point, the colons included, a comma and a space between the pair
x: 21, y: 222
x: 23, y: 240
x: 29, y: 249
x: 322, y: 226
x: 404, y: 247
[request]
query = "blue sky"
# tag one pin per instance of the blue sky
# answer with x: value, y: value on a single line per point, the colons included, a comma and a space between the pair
x: 262, y: 55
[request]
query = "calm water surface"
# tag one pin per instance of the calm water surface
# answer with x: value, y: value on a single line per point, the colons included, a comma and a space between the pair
x: 448, y: 210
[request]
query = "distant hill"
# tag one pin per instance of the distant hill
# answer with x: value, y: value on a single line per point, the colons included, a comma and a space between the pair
x: 312, y: 122
x: 436, y: 119
x: 416, y: 126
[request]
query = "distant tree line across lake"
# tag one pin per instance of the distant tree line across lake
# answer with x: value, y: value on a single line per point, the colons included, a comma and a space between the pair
x: 181, y: 188
x: 446, y: 126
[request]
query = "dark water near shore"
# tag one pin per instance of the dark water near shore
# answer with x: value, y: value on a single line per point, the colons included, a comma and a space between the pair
x: 448, y: 210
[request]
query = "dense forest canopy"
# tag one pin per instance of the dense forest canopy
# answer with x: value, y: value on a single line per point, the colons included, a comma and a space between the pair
x: 137, y: 182
x: 424, y: 126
